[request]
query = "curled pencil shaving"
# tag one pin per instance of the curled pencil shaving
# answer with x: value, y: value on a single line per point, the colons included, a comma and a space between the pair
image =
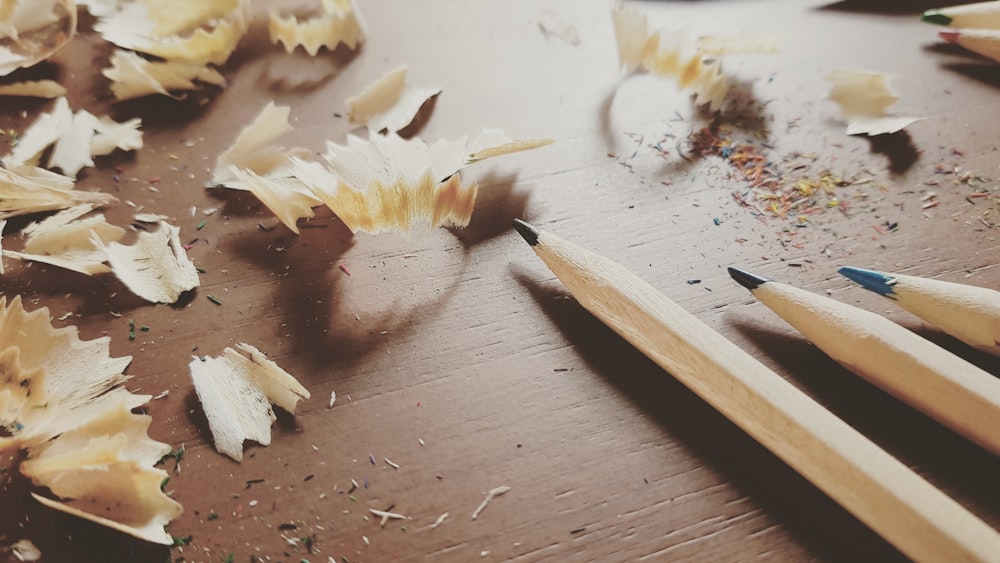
x: 155, y: 268
x: 33, y: 30
x: 339, y: 21
x: 389, y: 103
x: 76, y: 138
x: 65, y: 240
x: 642, y: 50
x: 61, y: 399
x: 26, y: 189
x: 188, y: 35
x: 385, y: 183
x: 33, y: 89
x: 236, y: 392
x: 863, y: 98
x: 133, y: 76
x: 193, y: 31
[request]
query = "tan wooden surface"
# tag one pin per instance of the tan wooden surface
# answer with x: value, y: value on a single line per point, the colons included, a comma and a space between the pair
x: 463, y: 339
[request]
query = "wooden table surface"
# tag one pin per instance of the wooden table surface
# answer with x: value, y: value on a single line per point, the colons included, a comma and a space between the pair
x: 458, y: 356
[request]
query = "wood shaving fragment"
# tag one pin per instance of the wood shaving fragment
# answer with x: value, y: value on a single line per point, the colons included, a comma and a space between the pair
x: 24, y: 550
x: 552, y: 25
x: 387, y: 183
x: 386, y: 515
x: 66, y: 241
x: 236, y: 393
x: 156, y: 267
x: 77, y: 137
x: 62, y: 400
x: 133, y: 76
x: 439, y: 520
x: 33, y: 30
x: 149, y: 217
x: 28, y: 189
x: 738, y: 45
x: 333, y: 394
x: 193, y: 31
x: 383, y: 184
x: 389, y: 103
x: 495, y: 492
x: 254, y: 149
x: 99, y: 8
x: 338, y: 22
x: 642, y: 50
x: 863, y: 98
x: 33, y: 89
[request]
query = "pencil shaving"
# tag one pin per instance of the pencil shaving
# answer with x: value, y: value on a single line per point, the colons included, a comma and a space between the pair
x: 28, y: 189
x: 236, y: 392
x: 33, y: 89
x: 863, y: 98
x: 76, y: 138
x: 493, y: 493
x: 253, y: 149
x: 62, y: 401
x: 389, y: 103
x: 388, y: 184
x: 639, y: 49
x: 31, y: 31
x: 193, y: 31
x: 155, y: 268
x: 338, y: 22
x: 738, y: 45
x: 133, y: 76
x: 65, y: 240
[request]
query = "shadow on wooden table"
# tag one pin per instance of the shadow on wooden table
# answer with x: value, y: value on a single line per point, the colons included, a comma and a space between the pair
x: 889, y: 7
x: 817, y: 522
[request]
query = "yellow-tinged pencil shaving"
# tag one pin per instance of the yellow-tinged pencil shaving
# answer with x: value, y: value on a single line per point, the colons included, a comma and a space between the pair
x: 382, y: 184
x: 61, y: 399
x: 33, y: 30
x: 738, y: 44
x: 28, y: 189
x: 236, y: 392
x: 133, y: 76
x: 288, y: 198
x: 66, y: 241
x: 388, y: 184
x: 33, y: 89
x: 389, y: 103
x: 863, y: 98
x: 156, y: 267
x: 639, y: 49
x: 338, y: 22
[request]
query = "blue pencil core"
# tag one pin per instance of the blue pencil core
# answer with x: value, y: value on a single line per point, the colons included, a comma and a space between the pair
x: 869, y: 279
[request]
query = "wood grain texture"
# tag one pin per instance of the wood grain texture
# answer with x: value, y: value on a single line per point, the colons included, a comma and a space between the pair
x: 463, y: 339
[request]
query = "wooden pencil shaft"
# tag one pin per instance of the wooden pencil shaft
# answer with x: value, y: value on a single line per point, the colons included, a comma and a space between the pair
x: 903, y: 508
x: 985, y: 42
x: 981, y: 15
x: 969, y: 313
x: 928, y: 377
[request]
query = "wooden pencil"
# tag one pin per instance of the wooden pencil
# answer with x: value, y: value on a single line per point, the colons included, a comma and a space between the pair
x: 985, y: 42
x: 977, y: 15
x: 969, y: 313
x: 915, y: 370
x: 920, y: 520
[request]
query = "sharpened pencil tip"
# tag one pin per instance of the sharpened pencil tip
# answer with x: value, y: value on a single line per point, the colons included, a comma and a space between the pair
x: 529, y: 233
x: 871, y: 280
x: 935, y: 17
x: 746, y: 279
